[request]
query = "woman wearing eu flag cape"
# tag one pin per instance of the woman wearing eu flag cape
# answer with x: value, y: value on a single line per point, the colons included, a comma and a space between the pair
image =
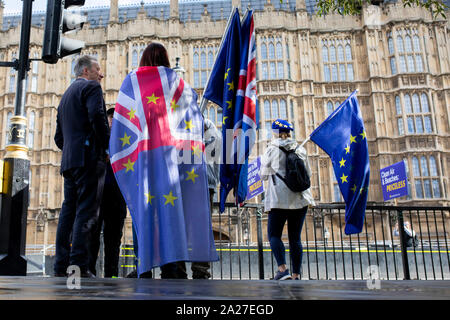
x: 157, y: 156
x: 281, y: 202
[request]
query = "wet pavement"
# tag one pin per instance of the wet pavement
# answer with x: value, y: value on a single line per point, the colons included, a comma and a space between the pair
x: 51, y: 288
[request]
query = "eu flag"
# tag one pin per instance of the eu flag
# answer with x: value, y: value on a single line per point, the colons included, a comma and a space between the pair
x: 157, y: 155
x: 343, y: 137
x: 232, y: 86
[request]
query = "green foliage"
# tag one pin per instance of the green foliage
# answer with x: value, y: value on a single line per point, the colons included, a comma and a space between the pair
x: 353, y: 7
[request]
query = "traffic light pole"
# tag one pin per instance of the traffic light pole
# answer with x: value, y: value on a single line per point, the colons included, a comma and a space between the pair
x: 16, y: 167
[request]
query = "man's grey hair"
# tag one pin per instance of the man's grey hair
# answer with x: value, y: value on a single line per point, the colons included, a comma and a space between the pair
x: 83, y: 62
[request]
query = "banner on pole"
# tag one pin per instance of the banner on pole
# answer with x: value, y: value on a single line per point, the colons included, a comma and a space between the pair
x: 255, y: 185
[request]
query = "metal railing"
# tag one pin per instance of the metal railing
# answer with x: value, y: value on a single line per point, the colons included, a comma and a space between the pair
x: 244, y: 250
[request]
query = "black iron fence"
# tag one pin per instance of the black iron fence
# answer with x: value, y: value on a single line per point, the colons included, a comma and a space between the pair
x: 328, y: 253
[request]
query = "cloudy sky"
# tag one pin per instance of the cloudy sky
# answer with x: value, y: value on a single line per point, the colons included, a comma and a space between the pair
x: 15, y: 6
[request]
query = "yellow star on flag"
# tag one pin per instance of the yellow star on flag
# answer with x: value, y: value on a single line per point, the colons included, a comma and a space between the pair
x: 153, y: 99
x: 224, y: 118
x: 354, y: 188
x: 352, y: 139
x: 361, y: 190
x: 196, y: 150
x: 173, y: 105
x: 149, y: 197
x: 347, y: 149
x: 131, y: 114
x: 191, y: 175
x: 169, y: 198
x: 231, y: 85
x: 189, y: 125
x: 344, y: 178
x: 226, y: 74
x: 129, y: 165
x: 125, y: 140
x: 342, y: 163
x: 230, y: 104
x: 363, y: 134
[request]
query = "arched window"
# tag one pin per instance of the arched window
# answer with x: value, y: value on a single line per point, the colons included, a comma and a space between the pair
x: 424, y: 166
x: 400, y: 47
x: 348, y: 53
x: 196, y: 60
x: 340, y: 53
x: 263, y: 51
x: 416, y: 169
x: 274, y: 109
x: 279, y: 51
x: 333, y: 71
x: 271, y: 51
x: 408, y: 44
x: 408, y: 52
x: 283, y: 109
x: 325, y: 54
x: 408, y: 104
x: 203, y: 60
x: 391, y: 46
x: 332, y: 54
x: 267, y: 110
x: 329, y: 108
x: 210, y: 59
x: 134, y: 58
x: 398, y: 106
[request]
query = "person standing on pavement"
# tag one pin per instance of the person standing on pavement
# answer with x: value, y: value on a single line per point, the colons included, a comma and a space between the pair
x: 82, y: 133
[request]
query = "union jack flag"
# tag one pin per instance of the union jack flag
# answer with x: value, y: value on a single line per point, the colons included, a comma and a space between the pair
x: 157, y: 155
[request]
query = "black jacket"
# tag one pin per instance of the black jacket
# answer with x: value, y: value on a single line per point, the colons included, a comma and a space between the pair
x: 81, y: 118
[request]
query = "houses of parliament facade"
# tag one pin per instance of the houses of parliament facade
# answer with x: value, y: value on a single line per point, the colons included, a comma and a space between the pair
x: 397, y: 58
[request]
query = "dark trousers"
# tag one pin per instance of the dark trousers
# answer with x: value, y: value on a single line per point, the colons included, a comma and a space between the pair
x: 82, y: 194
x: 200, y: 269
x: 111, y: 219
x: 277, y: 220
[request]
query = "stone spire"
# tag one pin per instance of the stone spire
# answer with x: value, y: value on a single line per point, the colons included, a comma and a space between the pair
x: 236, y: 4
x: 114, y: 11
x: 174, y: 12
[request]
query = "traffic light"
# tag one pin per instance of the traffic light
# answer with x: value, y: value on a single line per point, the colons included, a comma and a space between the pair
x: 57, y: 22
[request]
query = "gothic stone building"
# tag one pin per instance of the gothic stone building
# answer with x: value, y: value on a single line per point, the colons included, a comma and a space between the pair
x: 398, y: 59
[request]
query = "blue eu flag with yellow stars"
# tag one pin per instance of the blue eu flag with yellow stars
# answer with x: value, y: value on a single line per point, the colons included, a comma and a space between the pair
x: 343, y: 137
x: 157, y: 155
x: 221, y: 89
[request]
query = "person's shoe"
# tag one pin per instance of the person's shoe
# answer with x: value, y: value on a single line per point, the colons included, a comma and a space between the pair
x: 282, y: 275
x: 132, y: 274
x: 87, y: 274
x: 201, y: 275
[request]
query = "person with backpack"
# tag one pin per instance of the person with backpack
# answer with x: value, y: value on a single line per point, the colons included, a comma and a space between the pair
x: 286, y: 170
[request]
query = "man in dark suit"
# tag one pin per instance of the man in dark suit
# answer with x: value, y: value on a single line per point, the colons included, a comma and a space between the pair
x: 82, y: 133
x: 113, y: 211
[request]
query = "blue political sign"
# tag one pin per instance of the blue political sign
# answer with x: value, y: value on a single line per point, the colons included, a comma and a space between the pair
x: 394, y: 181
x: 254, y: 182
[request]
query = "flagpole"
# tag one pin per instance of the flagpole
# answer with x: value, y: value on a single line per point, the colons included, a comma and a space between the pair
x: 307, y: 139
x: 203, y: 101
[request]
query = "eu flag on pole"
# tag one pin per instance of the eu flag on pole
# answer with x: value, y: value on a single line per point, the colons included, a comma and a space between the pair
x: 343, y: 137
x: 157, y: 155
x: 221, y: 89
